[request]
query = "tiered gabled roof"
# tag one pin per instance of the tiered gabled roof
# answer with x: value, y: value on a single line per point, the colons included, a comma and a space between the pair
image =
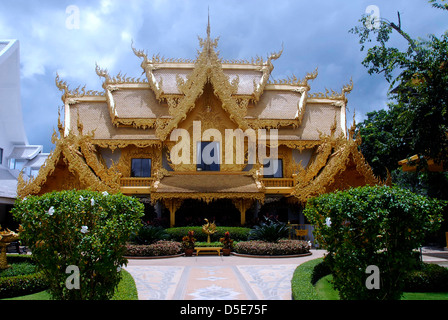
x: 158, y: 102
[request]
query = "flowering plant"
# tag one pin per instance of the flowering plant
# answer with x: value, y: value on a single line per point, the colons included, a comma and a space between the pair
x: 226, y: 241
x: 189, y: 240
x: 80, y: 228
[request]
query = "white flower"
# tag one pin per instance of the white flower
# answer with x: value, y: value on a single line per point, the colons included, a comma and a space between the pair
x: 328, y: 222
x: 81, y: 198
x: 105, y: 193
x: 118, y: 269
x: 84, y: 229
x: 50, y: 211
x: 92, y: 202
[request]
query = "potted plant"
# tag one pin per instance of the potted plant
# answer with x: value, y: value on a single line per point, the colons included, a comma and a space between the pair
x: 227, y: 244
x: 188, y: 243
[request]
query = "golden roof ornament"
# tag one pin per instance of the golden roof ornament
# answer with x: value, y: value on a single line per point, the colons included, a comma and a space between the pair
x: 6, y: 237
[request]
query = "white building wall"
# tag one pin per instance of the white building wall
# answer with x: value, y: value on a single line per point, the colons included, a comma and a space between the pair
x: 12, y: 130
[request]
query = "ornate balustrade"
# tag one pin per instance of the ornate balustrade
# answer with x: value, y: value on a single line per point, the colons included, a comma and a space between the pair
x: 278, y: 182
x: 136, y: 185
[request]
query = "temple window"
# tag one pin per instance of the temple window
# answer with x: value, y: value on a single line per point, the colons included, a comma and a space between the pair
x: 141, y: 168
x: 208, y: 156
x: 273, y: 168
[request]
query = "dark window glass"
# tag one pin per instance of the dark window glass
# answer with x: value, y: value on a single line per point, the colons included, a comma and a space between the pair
x: 141, y: 168
x: 208, y: 160
x: 273, y: 168
x: 1, y: 155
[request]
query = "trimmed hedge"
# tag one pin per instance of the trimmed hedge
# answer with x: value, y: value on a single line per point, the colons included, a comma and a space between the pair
x: 301, y: 286
x: 282, y: 247
x: 236, y: 233
x: 21, y: 284
x: 160, y: 248
x: 427, y: 278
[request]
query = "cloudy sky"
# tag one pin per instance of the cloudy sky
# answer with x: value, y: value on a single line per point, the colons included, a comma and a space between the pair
x: 313, y: 33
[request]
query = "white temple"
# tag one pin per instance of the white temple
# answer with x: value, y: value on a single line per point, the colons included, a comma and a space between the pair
x: 15, y: 152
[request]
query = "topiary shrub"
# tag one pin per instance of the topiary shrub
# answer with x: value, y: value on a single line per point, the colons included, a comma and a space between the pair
x: 238, y: 233
x: 427, y: 278
x: 378, y: 226
x: 22, y: 278
x: 270, y: 230
x: 279, y: 248
x: 81, y: 229
x: 157, y: 249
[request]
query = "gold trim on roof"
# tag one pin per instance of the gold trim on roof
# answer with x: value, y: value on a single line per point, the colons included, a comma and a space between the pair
x: 207, y: 68
x: 68, y: 148
x: 333, y: 95
x: 321, y: 175
x: 294, y: 81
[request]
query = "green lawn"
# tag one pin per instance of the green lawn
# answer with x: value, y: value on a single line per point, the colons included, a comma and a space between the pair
x: 126, y: 291
x: 326, y: 291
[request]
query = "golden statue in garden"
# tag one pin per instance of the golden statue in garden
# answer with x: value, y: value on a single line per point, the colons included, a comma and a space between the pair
x: 208, y: 229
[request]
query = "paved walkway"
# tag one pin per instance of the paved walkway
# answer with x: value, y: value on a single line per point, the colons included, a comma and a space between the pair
x: 208, y: 277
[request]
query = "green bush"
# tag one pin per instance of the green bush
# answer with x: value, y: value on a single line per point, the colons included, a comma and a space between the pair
x: 372, y: 226
x: 22, y: 278
x: 270, y: 230
x: 206, y: 244
x: 22, y: 284
x: 149, y: 234
x: 237, y: 233
x: 427, y: 278
x: 17, y: 269
x: 84, y: 229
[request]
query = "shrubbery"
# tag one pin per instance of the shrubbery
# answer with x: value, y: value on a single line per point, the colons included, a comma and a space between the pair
x: 427, y: 278
x: 22, y: 278
x: 269, y: 230
x: 157, y: 249
x: 238, y: 233
x: 149, y: 234
x: 84, y: 229
x: 281, y: 247
x: 372, y: 226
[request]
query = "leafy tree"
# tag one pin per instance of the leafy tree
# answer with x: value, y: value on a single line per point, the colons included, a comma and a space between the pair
x: 419, y: 82
x: 384, y: 142
x: 366, y: 226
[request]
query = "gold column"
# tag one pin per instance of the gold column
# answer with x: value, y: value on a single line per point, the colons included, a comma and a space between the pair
x: 242, y: 205
x: 172, y: 205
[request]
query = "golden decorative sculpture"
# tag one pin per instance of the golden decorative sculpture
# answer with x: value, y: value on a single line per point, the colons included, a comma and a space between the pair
x: 208, y: 229
x: 6, y: 237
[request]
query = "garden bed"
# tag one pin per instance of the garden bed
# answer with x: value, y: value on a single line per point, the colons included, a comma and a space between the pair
x: 159, y: 249
x: 279, y: 249
x: 22, y: 278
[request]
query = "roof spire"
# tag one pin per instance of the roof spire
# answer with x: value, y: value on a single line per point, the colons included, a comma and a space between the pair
x: 208, y: 24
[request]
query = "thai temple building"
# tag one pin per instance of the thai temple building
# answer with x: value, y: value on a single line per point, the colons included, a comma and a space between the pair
x: 16, y: 155
x: 147, y: 138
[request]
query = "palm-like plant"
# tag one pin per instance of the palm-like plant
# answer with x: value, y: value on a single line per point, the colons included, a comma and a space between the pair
x: 149, y: 234
x: 270, y: 230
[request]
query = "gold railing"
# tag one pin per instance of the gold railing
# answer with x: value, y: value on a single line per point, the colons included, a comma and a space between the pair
x: 278, y: 182
x: 300, y: 231
x: 136, y: 182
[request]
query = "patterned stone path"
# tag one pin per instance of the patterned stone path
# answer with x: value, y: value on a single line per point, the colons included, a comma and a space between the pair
x: 215, y: 277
